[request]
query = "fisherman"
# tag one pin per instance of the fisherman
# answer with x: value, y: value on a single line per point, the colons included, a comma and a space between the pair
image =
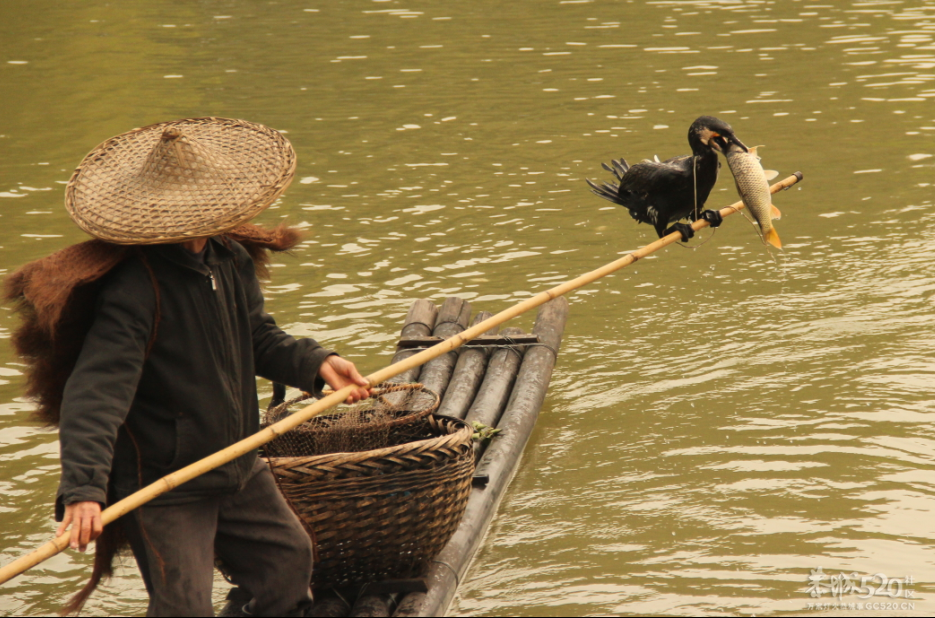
x: 165, y: 319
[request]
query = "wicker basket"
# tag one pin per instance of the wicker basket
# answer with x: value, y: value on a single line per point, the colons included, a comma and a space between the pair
x: 381, y: 514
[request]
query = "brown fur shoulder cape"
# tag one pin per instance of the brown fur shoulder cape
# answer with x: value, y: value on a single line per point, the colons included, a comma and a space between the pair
x: 56, y: 298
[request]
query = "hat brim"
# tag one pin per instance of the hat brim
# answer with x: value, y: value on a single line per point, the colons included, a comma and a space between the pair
x: 111, y: 197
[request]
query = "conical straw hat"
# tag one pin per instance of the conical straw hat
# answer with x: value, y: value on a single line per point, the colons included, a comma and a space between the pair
x: 180, y: 180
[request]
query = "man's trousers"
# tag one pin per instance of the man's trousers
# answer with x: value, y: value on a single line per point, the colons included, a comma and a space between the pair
x: 259, y: 540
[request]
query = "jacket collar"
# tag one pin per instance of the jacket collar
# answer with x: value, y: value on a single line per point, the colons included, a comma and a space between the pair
x: 215, y: 253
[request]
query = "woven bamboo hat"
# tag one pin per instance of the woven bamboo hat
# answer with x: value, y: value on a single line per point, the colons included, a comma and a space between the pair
x: 180, y: 180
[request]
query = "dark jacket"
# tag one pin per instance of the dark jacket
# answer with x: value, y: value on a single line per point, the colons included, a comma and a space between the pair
x: 131, y: 415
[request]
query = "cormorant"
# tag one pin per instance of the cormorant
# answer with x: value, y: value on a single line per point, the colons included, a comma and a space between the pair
x: 662, y: 192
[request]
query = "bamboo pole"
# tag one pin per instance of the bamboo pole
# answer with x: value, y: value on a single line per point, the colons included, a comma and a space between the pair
x: 171, y: 481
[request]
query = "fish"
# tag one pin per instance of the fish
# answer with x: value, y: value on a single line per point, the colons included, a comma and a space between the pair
x: 753, y: 186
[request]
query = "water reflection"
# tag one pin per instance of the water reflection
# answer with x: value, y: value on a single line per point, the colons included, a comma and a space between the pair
x: 721, y: 421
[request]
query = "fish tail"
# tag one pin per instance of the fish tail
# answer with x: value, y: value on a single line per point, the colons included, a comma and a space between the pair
x: 772, y: 237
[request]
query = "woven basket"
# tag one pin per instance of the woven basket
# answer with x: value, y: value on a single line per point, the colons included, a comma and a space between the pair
x: 381, y: 514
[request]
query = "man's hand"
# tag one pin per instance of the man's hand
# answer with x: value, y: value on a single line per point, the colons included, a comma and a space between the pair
x: 339, y: 373
x: 87, y: 523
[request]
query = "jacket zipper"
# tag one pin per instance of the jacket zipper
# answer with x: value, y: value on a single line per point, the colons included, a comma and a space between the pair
x: 225, y: 336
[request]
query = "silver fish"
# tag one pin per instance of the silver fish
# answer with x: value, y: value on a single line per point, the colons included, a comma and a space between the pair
x: 753, y: 186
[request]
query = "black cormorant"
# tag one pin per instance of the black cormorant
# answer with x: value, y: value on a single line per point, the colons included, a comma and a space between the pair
x: 662, y: 192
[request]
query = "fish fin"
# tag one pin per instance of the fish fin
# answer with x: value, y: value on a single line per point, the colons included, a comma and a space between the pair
x: 656, y: 159
x: 752, y: 150
x: 770, y: 174
x: 775, y: 212
x: 773, y: 238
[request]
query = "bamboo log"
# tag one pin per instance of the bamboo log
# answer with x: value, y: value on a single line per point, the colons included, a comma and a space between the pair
x: 329, y: 604
x: 374, y: 605
x: 419, y: 323
x: 452, y: 319
x: 495, y: 390
x: 413, y: 602
x: 171, y: 481
x: 467, y: 376
x: 522, y: 411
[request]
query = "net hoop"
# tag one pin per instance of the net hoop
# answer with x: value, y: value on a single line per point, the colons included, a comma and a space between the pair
x: 391, y: 415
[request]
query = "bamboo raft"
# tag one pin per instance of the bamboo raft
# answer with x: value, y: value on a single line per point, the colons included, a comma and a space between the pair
x: 500, y: 380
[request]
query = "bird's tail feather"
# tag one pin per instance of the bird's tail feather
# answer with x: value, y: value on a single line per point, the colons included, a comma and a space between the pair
x: 617, y: 167
x: 605, y: 190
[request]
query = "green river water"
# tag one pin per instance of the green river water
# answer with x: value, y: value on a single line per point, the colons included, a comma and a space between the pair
x: 721, y: 421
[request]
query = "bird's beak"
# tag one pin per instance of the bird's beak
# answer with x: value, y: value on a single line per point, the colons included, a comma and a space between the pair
x: 722, y: 143
x: 733, y: 139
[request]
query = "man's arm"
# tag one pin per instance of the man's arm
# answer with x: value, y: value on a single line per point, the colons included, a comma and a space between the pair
x: 98, y: 396
x: 302, y: 363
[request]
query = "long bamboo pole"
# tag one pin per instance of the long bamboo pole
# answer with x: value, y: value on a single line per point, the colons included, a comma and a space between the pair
x: 167, y: 483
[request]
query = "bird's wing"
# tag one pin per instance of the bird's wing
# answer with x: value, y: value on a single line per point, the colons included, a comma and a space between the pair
x: 679, y: 160
x: 648, y: 177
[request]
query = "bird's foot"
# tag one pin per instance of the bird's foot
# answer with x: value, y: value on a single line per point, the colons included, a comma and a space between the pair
x: 682, y: 228
x: 713, y: 218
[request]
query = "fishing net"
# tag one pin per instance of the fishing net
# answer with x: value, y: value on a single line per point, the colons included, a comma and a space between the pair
x: 393, y: 415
